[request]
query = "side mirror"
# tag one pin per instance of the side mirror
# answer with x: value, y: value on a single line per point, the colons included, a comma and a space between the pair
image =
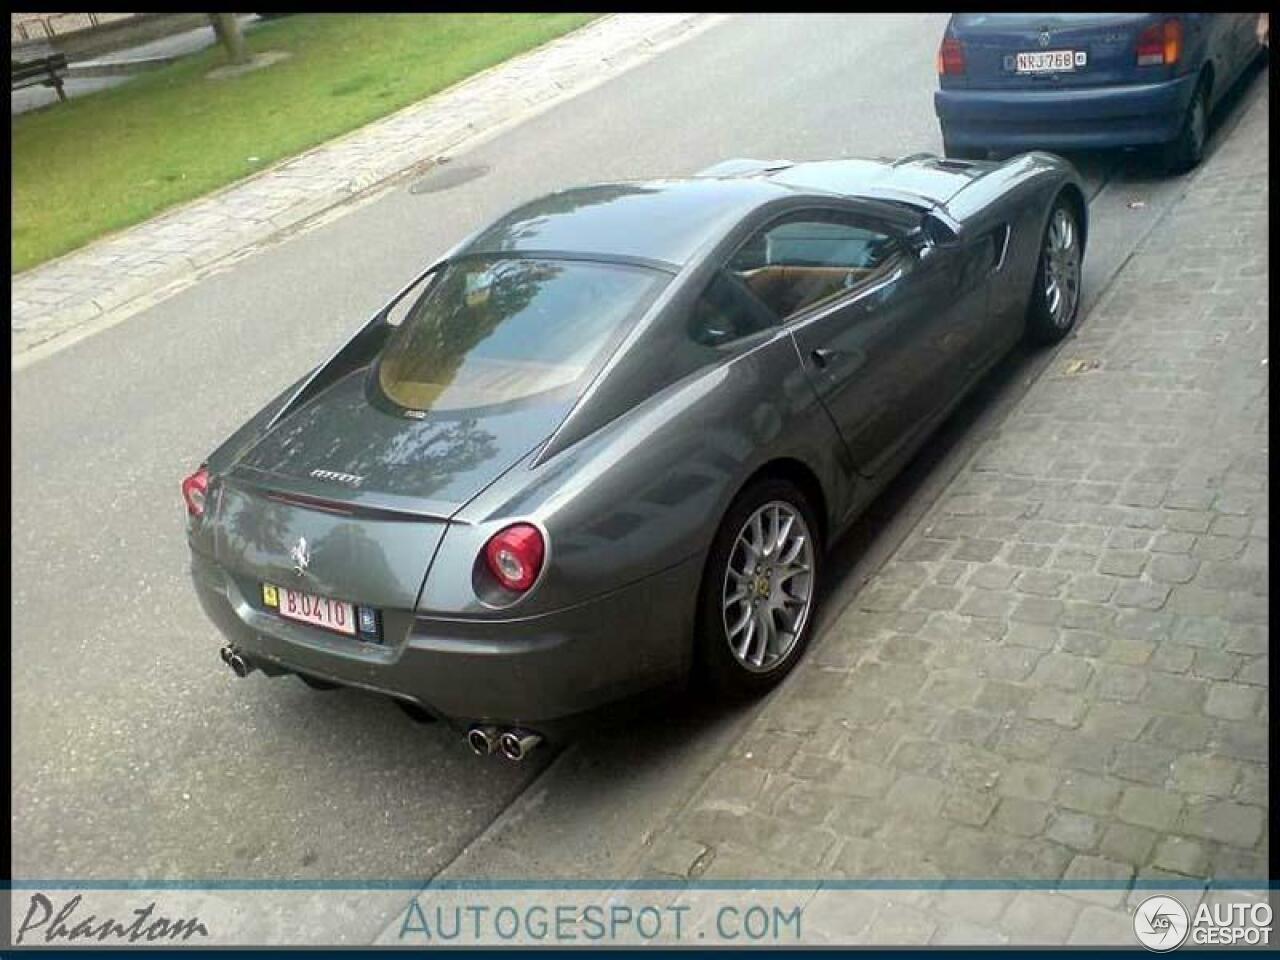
x: 935, y: 231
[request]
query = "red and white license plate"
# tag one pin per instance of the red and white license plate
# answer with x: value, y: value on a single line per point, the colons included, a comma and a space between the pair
x: 1050, y: 61
x: 307, y: 608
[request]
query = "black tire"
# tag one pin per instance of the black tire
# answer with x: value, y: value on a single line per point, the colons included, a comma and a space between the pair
x: 716, y: 665
x: 315, y: 683
x: 1045, y: 324
x: 1186, y: 152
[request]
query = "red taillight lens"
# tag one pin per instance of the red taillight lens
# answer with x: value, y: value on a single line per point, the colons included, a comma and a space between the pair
x: 950, y: 58
x: 1160, y: 44
x: 194, y: 489
x: 515, y: 556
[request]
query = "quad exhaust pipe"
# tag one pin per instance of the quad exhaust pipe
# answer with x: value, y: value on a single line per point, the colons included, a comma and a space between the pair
x: 238, y: 664
x: 482, y: 740
x: 518, y: 744
x: 514, y: 744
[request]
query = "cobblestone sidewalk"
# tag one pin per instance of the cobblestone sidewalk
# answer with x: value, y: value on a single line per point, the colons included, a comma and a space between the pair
x: 76, y: 289
x: 1061, y: 674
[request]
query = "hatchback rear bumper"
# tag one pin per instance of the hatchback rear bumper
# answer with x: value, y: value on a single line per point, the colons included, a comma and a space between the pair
x: 527, y: 671
x: 1081, y: 118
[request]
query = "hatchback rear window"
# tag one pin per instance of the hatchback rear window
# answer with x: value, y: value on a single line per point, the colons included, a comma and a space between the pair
x: 492, y: 331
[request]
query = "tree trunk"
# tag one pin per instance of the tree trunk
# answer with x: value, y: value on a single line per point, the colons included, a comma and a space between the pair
x: 227, y: 27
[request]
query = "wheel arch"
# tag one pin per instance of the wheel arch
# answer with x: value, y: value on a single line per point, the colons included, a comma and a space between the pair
x: 803, y: 476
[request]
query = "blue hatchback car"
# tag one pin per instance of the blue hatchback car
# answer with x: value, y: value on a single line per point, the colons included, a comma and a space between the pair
x: 1079, y: 81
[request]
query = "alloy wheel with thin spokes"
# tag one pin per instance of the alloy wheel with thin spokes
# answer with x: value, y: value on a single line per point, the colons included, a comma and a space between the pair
x: 768, y: 585
x: 1061, y: 268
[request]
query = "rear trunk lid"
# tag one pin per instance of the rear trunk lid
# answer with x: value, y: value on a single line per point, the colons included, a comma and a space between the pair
x: 1103, y: 48
x: 371, y: 492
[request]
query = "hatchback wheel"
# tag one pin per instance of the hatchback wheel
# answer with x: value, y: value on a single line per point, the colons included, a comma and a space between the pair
x: 1186, y: 152
x: 759, y: 590
x: 1055, y: 298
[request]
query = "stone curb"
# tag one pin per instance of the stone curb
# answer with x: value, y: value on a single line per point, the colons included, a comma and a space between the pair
x: 106, y: 282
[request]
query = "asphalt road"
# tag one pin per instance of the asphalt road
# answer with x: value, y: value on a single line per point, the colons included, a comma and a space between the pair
x: 136, y: 755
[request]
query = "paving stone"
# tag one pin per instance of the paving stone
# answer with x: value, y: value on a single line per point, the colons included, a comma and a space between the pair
x: 1232, y: 701
x: 1141, y: 594
x: 1106, y: 881
x: 1122, y: 563
x: 1064, y: 709
x: 1172, y: 568
x: 1171, y: 542
x: 1127, y: 843
x: 1119, y: 721
x: 1172, y: 658
x: 973, y: 807
x: 1223, y: 821
x: 917, y: 795
x: 1037, y: 610
x: 1148, y: 807
x: 1027, y: 555
x: 1024, y: 818
x: 1182, y: 855
x: 1029, y: 781
x: 1063, y: 671
x: 1076, y: 830
x: 1144, y: 762
x: 1215, y: 665
x: 1035, y: 917
x: 1118, y: 682
x: 1098, y: 926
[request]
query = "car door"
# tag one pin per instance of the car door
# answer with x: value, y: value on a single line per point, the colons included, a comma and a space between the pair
x: 872, y: 323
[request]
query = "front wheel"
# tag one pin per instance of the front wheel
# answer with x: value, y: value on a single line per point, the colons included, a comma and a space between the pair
x: 759, y: 590
x: 1055, y: 297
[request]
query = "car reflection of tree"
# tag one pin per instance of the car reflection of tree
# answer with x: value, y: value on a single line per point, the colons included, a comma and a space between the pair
x: 407, y: 456
x: 424, y: 355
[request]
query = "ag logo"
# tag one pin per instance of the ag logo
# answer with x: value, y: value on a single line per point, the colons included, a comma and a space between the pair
x: 1161, y: 923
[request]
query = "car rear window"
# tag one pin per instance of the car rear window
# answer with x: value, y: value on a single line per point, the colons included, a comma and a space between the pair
x: 1034, y: 21
x: 491, y: 331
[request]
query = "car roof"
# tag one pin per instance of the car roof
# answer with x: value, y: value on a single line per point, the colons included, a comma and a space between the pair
x: 659, y: 220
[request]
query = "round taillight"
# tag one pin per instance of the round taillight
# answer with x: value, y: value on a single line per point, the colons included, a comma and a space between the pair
x: 515, y: 555
x: 194, y: 489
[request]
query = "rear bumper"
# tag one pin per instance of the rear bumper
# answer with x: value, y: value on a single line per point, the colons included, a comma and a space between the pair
x: 516, y: 672
x: 1064, y: 119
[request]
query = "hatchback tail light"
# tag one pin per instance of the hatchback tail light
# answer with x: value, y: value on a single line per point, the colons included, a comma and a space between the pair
x: 194, y: 490
x: 515, y: 556
x: 1160, y: 44
x: 951, y: 58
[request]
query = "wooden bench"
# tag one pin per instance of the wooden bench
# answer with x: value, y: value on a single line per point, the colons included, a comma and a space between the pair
x: 47, y: 70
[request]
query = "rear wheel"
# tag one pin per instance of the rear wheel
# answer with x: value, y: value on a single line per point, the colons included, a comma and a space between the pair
x: 759, y: 590
x: 1055, y: 298
x: 1186, y: 152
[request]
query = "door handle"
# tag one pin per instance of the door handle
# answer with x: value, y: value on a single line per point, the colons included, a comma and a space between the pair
x: 822, y: 356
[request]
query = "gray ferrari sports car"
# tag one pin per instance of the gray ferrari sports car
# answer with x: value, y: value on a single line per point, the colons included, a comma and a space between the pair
x: 603, y: 443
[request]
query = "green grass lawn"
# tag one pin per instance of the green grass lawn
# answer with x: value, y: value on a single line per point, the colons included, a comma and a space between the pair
x: 106, y: 161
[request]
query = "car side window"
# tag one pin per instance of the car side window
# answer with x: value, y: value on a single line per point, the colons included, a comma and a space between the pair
x: 723, y: 314
x: 803, y: 262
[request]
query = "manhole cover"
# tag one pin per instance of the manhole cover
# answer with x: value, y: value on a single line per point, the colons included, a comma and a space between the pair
x: 445, y: 176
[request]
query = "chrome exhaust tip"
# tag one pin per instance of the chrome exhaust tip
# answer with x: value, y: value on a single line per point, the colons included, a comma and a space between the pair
x: 482, y: 740
x: 225, y: 654
x: 517, y: 744
x: 239, y: 665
